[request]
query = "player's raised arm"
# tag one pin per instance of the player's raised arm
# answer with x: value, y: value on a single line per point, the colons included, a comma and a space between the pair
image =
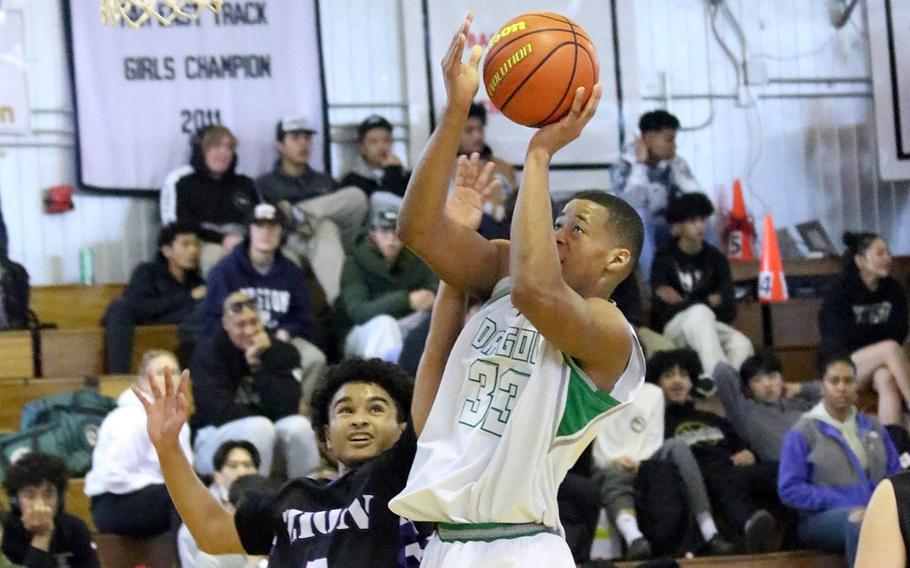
x: 456, y: 254
x: 465, y: 207
x: 561, y: 278
x: 210, y: 524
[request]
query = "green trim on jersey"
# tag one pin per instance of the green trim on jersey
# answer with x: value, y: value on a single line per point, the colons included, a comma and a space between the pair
x: 584, y: 402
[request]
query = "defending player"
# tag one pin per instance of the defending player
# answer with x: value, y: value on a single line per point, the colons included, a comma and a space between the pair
x: 546, y: 359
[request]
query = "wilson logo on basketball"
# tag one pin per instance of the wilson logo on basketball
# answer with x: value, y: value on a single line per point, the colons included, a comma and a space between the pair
x: 507, y: 66
x: 534, y: 65
x: 511, y: 28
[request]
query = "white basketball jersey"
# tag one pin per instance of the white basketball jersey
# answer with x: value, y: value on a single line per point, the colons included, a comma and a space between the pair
x: 511, y: 417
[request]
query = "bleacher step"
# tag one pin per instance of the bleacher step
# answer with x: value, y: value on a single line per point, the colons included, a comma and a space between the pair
x: 795, y: 559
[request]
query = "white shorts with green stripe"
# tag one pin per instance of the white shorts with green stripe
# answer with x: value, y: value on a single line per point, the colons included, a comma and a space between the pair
x: 540, y: 549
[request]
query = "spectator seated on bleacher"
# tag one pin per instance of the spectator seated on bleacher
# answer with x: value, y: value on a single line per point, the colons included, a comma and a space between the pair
x: 232, y: 460
x: 214, y: 197
x: 39, y: 532
x: 738, y: 484
x: 376, y: 170
x: 497, y: 214
x: 386, y: 291
x: 762, y: 407
x: 650, y: 175
x: 126, y: 476
x: 635, y: 436
x: 259, y: 269
x: 165, y: 290
x: 831, y: 462
x: 865, y: 314
x: 692, y: 298
x: 326, y: 216
x: 247, y: 386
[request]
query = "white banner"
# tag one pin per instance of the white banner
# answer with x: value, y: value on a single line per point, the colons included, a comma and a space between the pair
x: 14, y: 108
x: 140, y: 93
x: 600, y: 141
x: 889, y: 39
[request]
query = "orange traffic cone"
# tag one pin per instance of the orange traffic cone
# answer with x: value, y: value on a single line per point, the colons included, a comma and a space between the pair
x: 772, y: 286
x: 739, y: 231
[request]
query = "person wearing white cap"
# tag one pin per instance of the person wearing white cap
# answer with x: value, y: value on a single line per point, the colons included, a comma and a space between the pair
x: 325, y: 216
x: 258, y: 268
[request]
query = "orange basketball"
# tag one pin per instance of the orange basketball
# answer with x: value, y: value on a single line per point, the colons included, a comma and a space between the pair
x: 535, y: 63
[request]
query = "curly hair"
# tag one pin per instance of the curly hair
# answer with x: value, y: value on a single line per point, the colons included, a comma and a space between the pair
x: 387, y: 375
x: 663, y: 362
x: 34, y: 468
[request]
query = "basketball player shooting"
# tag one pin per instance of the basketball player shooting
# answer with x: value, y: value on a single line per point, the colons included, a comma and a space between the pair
x: 543, y: 363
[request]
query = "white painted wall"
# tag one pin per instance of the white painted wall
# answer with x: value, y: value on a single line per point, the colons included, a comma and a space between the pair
x: 811, y: 152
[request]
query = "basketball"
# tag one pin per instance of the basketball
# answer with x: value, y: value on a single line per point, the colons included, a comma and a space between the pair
x: 534, y: 64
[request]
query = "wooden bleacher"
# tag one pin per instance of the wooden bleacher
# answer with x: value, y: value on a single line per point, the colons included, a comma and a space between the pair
x: 794, y: 324
x: 76, y: 346
x: 794, y: 559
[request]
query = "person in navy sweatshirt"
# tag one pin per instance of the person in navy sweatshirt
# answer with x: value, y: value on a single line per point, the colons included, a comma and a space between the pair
x: 260, y: 270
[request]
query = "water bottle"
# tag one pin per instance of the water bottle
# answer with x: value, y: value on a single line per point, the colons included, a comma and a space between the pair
x: 86, y: 266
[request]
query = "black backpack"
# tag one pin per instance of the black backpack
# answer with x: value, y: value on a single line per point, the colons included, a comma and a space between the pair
x: 14, y: 281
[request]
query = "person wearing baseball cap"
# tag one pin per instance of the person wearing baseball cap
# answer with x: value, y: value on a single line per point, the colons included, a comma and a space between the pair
x: 325, y: 217
x: 259, y: 268
x: 386, y: 290
x: 377, y: 170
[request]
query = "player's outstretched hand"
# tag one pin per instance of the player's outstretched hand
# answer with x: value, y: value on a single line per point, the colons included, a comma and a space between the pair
x: 554, y: 136
x: 473, y: 188
x: 461, y: 79
x: 168, y: 411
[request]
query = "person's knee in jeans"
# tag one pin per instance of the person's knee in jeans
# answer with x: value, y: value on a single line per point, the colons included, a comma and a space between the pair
x: 258, y: 430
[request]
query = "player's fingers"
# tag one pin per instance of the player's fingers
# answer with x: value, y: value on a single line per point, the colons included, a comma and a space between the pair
x: 461, y: 167
x: 139, y: 395
x: 578, y: 101
x: 485, y: 175
x: 492, y: 189
x: 473, y: 168
x: 593, y: 102
x: 474, y: 59
x: 168, y: 383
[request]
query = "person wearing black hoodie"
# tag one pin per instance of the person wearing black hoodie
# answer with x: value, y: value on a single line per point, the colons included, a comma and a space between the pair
x: 692, y: 290
x: 165, y: 290
x: 214, y: 197
x: 865, y: 314
x: 377, y: 170
x: 246, y: 386
x: 38, y: 532
x: 258, y: 268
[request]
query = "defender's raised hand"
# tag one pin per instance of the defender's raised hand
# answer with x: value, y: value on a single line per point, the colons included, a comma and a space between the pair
x: 168, y: 411
x: 461, y: 79
x: 473, y: 188
x: 554, y: 136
